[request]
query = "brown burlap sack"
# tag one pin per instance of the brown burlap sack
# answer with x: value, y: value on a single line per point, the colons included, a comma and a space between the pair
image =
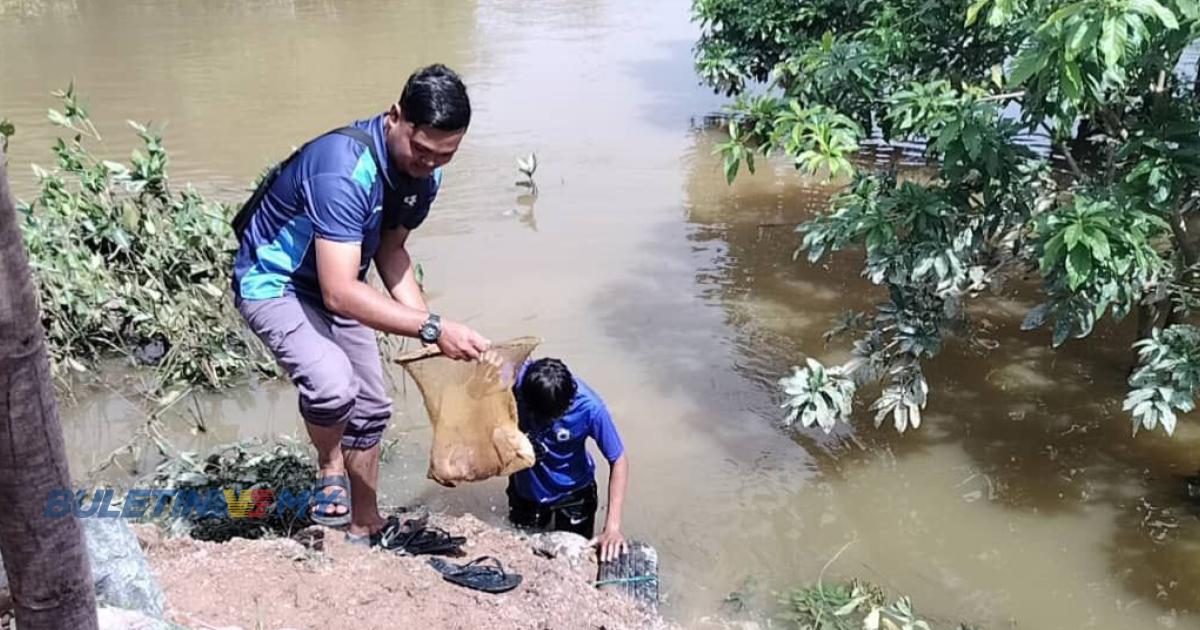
x: 473, y: 412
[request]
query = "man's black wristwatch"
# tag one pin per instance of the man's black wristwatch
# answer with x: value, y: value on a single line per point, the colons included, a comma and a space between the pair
x: 431, y: 329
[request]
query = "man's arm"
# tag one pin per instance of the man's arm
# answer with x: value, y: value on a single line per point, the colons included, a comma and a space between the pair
x: 611, y: 542
x: 346, y: 295
x: 396, y: 268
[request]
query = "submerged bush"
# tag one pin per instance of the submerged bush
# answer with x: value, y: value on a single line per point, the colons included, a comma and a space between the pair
x: 128, y: 266
x: 851, y: 606
x: 282, y: 467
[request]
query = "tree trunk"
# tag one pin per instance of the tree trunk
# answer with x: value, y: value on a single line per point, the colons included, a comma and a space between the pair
x: 45, y: 557
x: 1148, y: 317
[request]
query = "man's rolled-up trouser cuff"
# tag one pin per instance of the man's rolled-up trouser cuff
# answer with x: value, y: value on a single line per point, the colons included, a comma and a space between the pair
x: 363, y: 433
x: 323, y: 416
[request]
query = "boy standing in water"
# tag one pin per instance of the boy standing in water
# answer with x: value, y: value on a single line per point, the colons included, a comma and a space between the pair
x: 559, y: 412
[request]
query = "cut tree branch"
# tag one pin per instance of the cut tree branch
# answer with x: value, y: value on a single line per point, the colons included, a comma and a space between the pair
x: 1071, y: 163
x: 1002, y: 97
x: 1179, y: 231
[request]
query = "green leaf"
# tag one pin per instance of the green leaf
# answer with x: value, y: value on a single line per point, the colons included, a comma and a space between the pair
x: 1112, y: 40
x: 1065, y: 12
x: 1062, y: 330
x: 1152, y: 7
x: 1098, y: 242
x: 1026, y: 65
x: 871, y: 621
x: 1189, y: 8
x: 1036, y: 316
x: 731, y: 167
x: 1082, y: 38
x: 1053, y: 254
x: 1072, y: 81
x: 970, y: 138
x: 58, y: 118
x: 1079, y: 267
x: 1072, y: 235
x: 974, y: 9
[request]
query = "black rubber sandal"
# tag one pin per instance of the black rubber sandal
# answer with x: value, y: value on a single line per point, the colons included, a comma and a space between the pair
x: 393, y: 534
x: 432, y: 540
x: 320, y: 502
x: 476, y: 575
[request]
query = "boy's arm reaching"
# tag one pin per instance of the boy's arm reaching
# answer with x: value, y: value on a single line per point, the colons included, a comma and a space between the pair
x: 610, y: 542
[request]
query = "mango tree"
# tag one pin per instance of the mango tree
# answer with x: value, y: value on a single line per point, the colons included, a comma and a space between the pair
x: 1067, y: 147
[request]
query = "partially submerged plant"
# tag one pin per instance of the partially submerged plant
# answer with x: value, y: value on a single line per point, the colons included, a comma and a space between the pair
x: 128, y: 265
x: 852, y: 605
x: 818, y: 395
x: 527, y: 166
x: 7, y: 130
x: 285, y: 466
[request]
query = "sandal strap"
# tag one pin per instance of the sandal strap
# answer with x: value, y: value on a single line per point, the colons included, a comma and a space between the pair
x: 333, y: 499
x: 479, y: 563
x: 339, y: 480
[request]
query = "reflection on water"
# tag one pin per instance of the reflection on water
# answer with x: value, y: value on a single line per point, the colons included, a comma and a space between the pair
x: 1022, y: 502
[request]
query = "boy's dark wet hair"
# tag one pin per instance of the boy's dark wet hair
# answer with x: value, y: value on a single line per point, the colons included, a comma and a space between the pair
x: 547, y: 390
x: 435, y: 97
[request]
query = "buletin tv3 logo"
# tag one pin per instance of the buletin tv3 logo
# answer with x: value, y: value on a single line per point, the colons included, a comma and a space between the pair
x: 249, y: 503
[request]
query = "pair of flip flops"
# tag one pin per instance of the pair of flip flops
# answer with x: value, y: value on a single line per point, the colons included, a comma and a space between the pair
x: 413, y: 537
x: 485, y: 574
x: 416, y: 538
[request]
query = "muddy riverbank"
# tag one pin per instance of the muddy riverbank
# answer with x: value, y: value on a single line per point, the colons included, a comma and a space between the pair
x: 281, y: 583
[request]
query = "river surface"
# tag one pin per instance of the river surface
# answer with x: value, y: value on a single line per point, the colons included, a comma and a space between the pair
x: 1023, y: 502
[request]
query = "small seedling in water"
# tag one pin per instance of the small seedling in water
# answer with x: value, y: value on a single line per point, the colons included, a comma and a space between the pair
x: 527, y: 167
x: 7, y: 130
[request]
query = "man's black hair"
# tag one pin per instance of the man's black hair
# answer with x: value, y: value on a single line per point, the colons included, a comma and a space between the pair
x: 435, y: 97
x: 547, y: 389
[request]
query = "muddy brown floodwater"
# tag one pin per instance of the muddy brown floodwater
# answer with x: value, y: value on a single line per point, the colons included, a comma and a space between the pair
x: 1022, y: 503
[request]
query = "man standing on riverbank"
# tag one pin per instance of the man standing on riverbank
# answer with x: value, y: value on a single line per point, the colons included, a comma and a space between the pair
x: 308, y: 237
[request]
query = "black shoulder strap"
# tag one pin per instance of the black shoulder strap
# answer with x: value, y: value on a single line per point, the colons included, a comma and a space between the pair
x: 242, y: 220
x: 363, y: 138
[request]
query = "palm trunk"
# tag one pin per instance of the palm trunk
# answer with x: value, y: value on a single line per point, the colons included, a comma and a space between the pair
x: 45, y: 557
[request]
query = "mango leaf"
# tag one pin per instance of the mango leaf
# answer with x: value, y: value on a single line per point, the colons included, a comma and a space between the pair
x: 1152, y: 7
x: 1072, y: 81
x: 1072, y: 235
x: 1027, y: 64
x: 58, y: 118
x: 970, y: 137
x: 1097, y: 241
x: 1036, y: 316
x: 1112, y: 40
x: 731, y: 167
x: 1079, y: 267
x: 1064, y: 13
x: 1082, y: 38
x: 850, y: 606
x: 871, y: 622
x: 1189, y: 8
x: 974, y: 9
